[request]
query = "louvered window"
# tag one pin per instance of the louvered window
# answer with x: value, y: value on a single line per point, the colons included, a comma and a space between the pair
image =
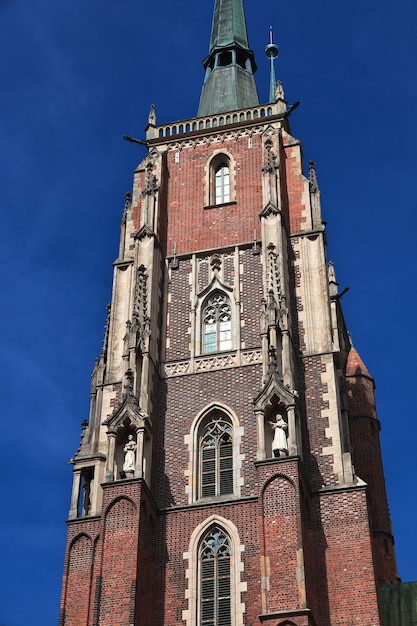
x: 217, y: 323
x: 216, y: 458
x: 214, y: 560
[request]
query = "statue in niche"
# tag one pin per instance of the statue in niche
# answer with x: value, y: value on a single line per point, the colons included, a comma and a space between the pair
x: 279, y: 444
x: 130, y: 455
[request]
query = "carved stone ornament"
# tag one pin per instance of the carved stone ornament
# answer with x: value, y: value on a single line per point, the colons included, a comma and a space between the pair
x: 270, y: 209
x: 221, y: 137
x: 138, y: 329
x: 127, y: 411
x: 279, y: 444
x: 151, y: 184
x: 104, y: 347
x: 279, y: 92
x: 274, y: 387
x: 263, y: 317
x: 130, y: 455
x: 271, y: 162
x: 215, y: 262
x: 274, y: 279
x: 140, y: 298
x: 144, y: 232
x: 312, y: 177
x: 152, y: 115
x: 208, y: 364
x: 127, y: 206
x: 331, y: 273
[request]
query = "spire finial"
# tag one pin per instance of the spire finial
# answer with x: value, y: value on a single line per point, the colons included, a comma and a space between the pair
x: 152, y: 115
x: 279, y: 93
x: 271, y: 52
x: 312, y: 176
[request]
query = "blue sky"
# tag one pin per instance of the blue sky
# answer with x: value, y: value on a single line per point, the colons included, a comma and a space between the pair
x: 75, y: 76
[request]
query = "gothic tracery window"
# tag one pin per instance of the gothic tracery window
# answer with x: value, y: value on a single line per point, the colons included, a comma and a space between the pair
x: 216, y: 457
x: 215, y: 579
x: 217, y: 323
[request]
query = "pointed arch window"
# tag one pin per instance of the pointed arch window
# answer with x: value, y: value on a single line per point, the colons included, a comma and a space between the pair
x: 217, y: 323
x: 215, y: 579
x: 216, y: 457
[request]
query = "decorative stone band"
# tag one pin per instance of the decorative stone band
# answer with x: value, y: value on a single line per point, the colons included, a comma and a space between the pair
x: 210, y: 363
x: 215, y: 121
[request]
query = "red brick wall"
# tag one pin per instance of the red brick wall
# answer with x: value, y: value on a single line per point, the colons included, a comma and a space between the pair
x: 179, y: 311
x: 344, y: 579
x: 251, y: 296
x: 320, y: 466
x: 186, y: 397
x: 217, y: 226
x: 79, y: 581
x: 174, y: 538
x: 367, y: 458
x: 294, y: 187
x: 77, y: 587
x: 118, y: 562
x: 360, y: 394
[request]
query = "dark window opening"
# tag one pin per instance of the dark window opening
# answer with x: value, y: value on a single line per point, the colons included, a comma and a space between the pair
x: 225, y: 58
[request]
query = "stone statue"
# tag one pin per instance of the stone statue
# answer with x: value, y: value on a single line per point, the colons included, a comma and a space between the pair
x: 130, y: 455
x: 279, y: 444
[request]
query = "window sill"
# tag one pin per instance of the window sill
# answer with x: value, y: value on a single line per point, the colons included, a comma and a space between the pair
x: 217, y: 206
x: 213, y: 499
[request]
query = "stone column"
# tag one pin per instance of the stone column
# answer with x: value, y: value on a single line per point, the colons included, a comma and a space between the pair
x: 286, y: 359
x: 140, y: 433
x: 110, y: 457
x: 73, y: 512
x: 292, y: 434
x: 144, y: 382
x: 260, y: 425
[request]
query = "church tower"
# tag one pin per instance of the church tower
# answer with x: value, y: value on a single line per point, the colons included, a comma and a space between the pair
x: 230, y: 471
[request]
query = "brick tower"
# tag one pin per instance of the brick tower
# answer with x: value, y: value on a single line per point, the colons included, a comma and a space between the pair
x: 230, y: 472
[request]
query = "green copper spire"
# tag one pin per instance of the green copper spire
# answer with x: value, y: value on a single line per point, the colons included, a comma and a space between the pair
x: 229, y: 83
x: 271, y: 52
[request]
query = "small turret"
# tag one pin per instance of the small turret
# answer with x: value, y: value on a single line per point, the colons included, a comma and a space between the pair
x: 364, y: 434
x: 360, y: 387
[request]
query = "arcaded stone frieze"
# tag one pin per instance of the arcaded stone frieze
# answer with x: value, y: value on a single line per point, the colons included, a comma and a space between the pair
x: 211, y: 363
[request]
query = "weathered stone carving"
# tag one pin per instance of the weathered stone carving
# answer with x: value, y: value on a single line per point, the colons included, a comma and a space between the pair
x: 271, y: 162
x: 104, y: 347
x: 152, y: 115
x: 215, y: 262
x: 279, y: 444
x: 312, y: 177
x: 127, y: 206
x: 279, y: 92
x: 130, y: 455
x: 138, y: 329
x: 151, y: 184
